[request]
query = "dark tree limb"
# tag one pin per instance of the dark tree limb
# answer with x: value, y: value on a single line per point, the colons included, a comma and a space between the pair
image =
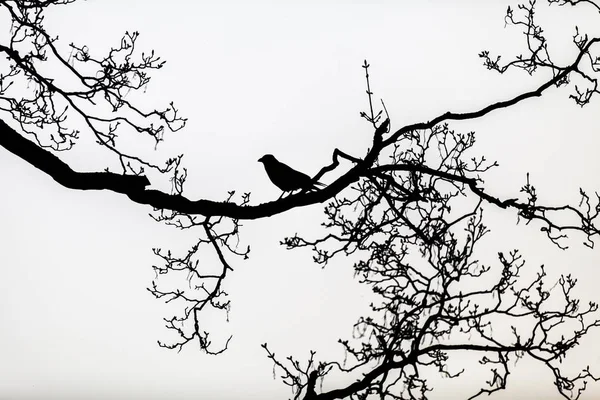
x: 12, y: 141
x: 53, y: 166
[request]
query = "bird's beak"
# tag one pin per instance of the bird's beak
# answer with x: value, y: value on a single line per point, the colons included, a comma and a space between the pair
x: 260, y: 159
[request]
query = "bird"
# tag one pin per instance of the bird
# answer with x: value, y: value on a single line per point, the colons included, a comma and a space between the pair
x: 286, y: 178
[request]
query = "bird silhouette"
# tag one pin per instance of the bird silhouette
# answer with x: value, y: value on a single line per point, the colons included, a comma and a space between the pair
x: 286, y: 178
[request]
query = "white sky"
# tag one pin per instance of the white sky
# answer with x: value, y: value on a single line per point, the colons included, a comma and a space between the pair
x: 77, y: 321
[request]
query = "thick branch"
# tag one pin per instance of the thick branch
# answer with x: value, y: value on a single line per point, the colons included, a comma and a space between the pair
x: 47, y: 162
x: 133, y: 186
x: 411, y: 359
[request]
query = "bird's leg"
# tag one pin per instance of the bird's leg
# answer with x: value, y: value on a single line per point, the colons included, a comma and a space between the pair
x: 282, y: 193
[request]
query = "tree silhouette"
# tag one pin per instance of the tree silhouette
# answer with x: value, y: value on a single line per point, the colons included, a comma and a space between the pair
x: 409, y: 213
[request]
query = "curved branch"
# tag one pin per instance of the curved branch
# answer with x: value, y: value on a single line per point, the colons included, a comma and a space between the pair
x: 411, y: 359
x: 47, y: 162
x: 560, y: 77
x: 134, y: 186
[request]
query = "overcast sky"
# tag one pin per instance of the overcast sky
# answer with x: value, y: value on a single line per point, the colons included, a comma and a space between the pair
x: 76, y: 319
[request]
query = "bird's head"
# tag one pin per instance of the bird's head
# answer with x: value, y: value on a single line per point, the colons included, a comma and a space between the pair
x: 267, y: 158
